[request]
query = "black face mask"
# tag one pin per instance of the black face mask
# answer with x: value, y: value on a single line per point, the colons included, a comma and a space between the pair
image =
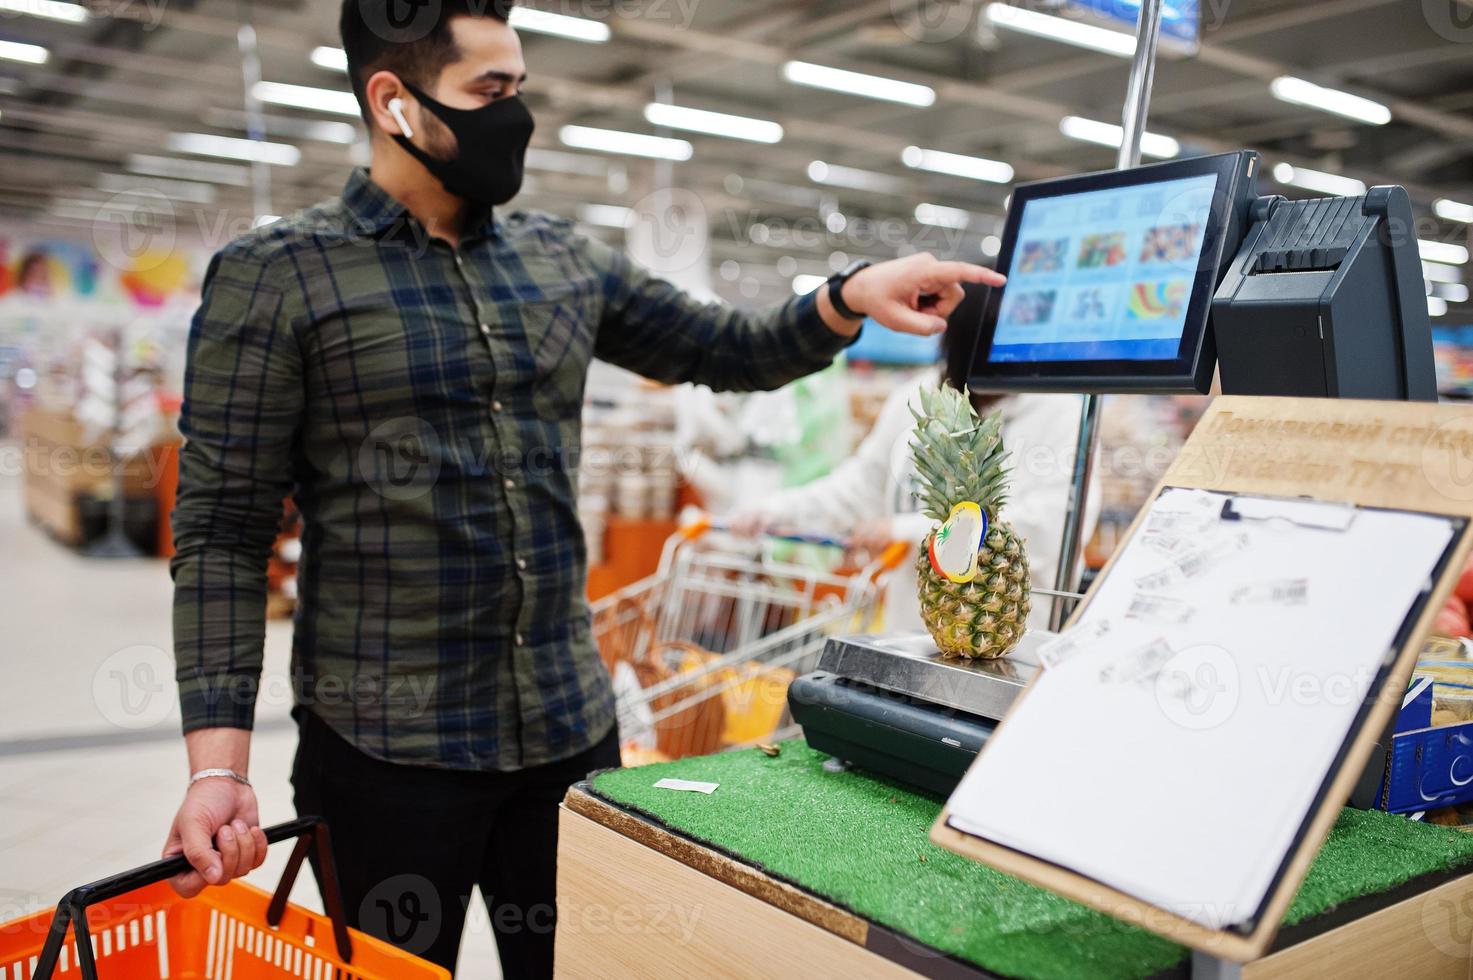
x: 492, y: 140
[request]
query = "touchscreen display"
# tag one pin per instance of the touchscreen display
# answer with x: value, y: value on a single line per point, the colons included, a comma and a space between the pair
x: 1104, y: 275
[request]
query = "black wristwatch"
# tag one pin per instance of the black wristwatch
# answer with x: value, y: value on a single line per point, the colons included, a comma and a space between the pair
x: 836, y: 289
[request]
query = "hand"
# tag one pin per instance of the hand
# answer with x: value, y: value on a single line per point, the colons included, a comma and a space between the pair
x: 216, y: 811
x: 872, y: 537
x: 911, y: 295
x: 748, y: 523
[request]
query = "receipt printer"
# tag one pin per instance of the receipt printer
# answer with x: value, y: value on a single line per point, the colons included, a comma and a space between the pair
x: 1325, y: 299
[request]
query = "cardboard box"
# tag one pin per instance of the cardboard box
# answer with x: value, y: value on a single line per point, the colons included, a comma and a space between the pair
x: 62, y: 465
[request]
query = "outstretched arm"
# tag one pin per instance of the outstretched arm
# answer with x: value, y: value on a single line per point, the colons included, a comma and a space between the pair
x: 652, y: 327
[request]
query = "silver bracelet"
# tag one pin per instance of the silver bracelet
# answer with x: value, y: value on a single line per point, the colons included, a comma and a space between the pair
x: 227, y: 773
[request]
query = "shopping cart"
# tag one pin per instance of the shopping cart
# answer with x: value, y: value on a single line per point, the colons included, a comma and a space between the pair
x: 702, y: 651
x: 139, y: 929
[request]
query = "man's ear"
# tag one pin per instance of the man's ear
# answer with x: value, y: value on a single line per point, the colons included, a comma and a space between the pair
x: 382, y: 88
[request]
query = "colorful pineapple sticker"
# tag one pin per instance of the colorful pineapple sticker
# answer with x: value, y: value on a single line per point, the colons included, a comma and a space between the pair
x: 954, y: 545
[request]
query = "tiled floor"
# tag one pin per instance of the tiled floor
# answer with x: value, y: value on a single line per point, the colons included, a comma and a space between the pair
x: 91, y: 762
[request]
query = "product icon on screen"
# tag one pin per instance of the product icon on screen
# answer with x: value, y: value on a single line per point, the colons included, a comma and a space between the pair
x: 1171, y: 243
x: 1102, y: 251
x: 1159, y: 300
x: 1042, y: 255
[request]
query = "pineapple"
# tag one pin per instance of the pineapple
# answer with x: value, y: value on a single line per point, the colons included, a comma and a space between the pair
x: 959, y: 457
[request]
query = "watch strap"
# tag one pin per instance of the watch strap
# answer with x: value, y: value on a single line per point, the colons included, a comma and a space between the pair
x: 836, y: 289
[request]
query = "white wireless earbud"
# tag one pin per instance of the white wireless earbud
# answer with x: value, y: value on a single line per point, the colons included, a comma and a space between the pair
x: 396, y: 109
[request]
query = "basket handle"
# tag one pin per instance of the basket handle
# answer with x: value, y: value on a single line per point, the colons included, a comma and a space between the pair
x: 310, y: 833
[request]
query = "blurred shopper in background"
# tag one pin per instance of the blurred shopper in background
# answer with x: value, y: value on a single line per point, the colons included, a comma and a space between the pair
x: 871, y: 498
x: 409, y: 363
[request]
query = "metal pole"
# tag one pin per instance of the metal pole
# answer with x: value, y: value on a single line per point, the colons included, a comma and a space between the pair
x: 250, y: 71
x: 1133, y: 124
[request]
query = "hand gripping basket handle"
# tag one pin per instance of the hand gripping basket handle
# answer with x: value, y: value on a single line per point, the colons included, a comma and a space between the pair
x: 310, y: 833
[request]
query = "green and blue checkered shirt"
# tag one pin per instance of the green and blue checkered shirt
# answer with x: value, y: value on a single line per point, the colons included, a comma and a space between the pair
x: 421, y: 403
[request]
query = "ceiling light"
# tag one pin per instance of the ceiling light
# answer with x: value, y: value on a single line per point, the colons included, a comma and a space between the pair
x: 1437, y: 272
x: 1436, y: 306
x: 286, y: 127
x: 1318, y: 181
x: 991, y: 245
x: 558, y: 25
x: 714, y: 123
x: 560, y: 161
x: 330, y: 132
x: 1287, y: 88
x: 607, y: 215
x: 807, y: 283
x: 214, y: 173
x: 839, y: 175
x: 1108, y: 134
x: 31, y: 54
x: 858, y: 83
x: 1453, y: 210
x: 616, y: 141
x: 333, y: 59
x: 234, y: 148
x: 787, y: 194
x: 189, y: 191
x: 1453, y: 292
x: 1442, y: 252
x: 69, y: 13
x: 1059, y: 29
x: 306, y: 97
x: 957, y: 164
x: 941, y: 216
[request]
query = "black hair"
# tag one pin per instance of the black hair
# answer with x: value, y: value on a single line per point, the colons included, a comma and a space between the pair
x: 410, y: 38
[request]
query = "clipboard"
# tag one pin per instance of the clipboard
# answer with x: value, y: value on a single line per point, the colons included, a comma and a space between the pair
x: 1330, y: 456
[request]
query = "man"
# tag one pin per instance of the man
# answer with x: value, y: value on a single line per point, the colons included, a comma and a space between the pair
x: 408, y: 363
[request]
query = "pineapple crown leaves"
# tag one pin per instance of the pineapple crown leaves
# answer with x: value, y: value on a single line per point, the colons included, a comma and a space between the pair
x: 958, y: 454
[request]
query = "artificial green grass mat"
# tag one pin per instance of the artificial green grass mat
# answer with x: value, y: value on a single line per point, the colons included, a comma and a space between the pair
x: 861, y: 843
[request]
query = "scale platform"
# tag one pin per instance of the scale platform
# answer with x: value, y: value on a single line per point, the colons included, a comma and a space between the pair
x: 891, y: 703
x: 909, y: 664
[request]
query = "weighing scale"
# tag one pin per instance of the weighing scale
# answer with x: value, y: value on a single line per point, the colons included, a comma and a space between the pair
x: 891, y: 703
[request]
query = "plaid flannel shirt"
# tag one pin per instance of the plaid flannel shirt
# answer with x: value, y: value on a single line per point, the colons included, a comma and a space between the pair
x: 421, y: 402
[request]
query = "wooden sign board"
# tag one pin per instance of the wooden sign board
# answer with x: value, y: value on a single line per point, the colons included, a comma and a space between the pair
x: 1410, y: 456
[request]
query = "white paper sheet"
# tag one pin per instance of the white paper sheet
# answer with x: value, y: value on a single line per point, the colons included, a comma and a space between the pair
x: 1176, y: 759
x: 687, y: 785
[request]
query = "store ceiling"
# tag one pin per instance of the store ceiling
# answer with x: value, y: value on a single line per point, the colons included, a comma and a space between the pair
x: 120, y: 82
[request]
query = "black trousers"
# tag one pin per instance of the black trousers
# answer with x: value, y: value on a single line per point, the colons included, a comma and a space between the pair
x: 411, y: 843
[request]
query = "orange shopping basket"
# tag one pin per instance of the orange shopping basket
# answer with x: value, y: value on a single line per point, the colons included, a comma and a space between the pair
x: 137, y: 928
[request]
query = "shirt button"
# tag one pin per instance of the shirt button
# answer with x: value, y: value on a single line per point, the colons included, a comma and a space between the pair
x: 509, y: 483
x: 485, y: 330
x: 522, y: 564
x: 518, y: 639
x: 495, y: 404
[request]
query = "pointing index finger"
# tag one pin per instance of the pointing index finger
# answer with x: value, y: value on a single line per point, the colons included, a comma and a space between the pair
x: 967, y: 272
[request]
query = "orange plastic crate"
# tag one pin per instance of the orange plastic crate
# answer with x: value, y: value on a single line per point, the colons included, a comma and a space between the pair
x: 152, y: 934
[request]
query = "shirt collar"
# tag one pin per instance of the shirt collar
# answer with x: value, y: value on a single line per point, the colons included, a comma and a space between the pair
x: 375, y: 210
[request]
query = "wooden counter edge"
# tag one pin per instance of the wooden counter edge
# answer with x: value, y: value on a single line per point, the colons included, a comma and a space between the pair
x: 728, y: 870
